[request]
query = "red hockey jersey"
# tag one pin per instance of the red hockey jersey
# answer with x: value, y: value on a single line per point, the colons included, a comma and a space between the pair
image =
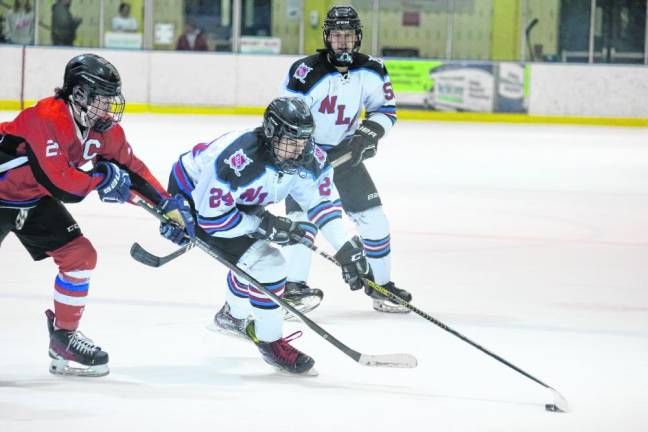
x: 42, y: 150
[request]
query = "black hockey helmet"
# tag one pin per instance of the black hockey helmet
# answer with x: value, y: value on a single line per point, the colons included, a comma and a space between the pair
x: 288, y: 127
x: 92, y: 85
x: 342, y: 18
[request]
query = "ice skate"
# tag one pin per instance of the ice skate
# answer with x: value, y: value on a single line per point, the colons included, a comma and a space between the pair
x: 283, y: 356
x: 225, y: 323
x: 383, y: 304
x: 301, y: 297
x: 73, y: 353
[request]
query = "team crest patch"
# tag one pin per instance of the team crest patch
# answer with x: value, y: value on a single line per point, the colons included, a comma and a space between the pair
x: 238, y: 161
x: 302, y: 72
x: 320, y: 155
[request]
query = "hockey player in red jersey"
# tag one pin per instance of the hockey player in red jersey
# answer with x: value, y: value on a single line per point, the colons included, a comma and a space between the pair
x: 41, y: 154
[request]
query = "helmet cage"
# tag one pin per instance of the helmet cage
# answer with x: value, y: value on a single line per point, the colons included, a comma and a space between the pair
x: 279, y: 134
x: 342, y: 18
x: 95, y: 98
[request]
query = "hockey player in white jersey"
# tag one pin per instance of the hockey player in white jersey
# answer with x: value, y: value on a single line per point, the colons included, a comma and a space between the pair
x: 228, y: 184
x: 337, y: 83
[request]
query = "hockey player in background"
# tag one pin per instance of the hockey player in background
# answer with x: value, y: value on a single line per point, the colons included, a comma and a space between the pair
x: 336, y: 84
x: 41, y: 154
x: 228, y: 184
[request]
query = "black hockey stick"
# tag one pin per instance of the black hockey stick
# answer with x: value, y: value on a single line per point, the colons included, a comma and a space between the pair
x: 560, y: 403
x: 378, y: 360
x: 140, y: 254
x: 527, y: 33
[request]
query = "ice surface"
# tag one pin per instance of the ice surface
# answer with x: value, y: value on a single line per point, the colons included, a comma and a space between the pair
x: 530, y: 240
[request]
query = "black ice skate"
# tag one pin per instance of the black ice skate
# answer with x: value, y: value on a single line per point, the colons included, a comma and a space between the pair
x: 224, y: 322
x: 301, y: 297
x: 383, y: 304
x: 72, y: 346
x: 282, y: 355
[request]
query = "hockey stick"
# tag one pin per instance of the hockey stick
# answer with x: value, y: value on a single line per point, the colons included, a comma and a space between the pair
x: 146, y: 258
x: 560, y: 403
x: 527, y: 33
x: 378, y: 360
x: 342, y: 159
x: 140, y: 254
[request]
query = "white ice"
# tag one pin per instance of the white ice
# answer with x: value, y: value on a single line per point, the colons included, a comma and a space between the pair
x: 530, y: 240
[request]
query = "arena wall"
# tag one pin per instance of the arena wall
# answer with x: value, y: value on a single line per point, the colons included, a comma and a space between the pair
x: 155, y: 81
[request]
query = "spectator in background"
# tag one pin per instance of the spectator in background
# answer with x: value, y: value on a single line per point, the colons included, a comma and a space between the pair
x: 2, y: 36
x: 124, y: 22
x: 64, y: 25
x: 192, y: 39
x: 19, y: 24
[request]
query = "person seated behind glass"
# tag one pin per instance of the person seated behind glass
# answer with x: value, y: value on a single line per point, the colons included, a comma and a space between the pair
x: 124, y: 22
x: 192, y: 39
x: 19, y: 24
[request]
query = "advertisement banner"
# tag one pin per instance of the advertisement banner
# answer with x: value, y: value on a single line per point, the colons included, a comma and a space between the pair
x: 459, y: 86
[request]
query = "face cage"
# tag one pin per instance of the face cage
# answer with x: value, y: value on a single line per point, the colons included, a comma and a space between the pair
x: 342, y: 59
x: 104, y: 111
x: 290, y: 166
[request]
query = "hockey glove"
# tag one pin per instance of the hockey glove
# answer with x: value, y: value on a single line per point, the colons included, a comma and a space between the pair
x: 115, y: 187
x: 283, y: 231
x: 364, y: 142
x: 181, y: 227
x: 354, y: 264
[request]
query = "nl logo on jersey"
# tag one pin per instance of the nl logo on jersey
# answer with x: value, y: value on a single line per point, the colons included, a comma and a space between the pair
x: 302, y: 72
x: 238, y: 161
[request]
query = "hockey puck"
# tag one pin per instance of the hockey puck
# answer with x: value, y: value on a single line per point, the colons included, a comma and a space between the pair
x: 552, y: 408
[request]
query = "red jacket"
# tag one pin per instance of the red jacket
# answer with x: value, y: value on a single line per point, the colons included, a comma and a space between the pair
x: 199, y: 45
x: 41, y: 152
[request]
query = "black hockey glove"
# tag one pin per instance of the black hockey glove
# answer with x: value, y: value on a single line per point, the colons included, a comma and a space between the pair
x: 354, y: 264
x: 283, y: 231
x: 364, y: 142
x: 181, y: 227
x: 115, y: 187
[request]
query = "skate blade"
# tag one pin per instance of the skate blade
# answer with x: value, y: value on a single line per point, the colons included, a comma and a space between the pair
x: 304, y: 305
x: 231, y: 333
x: 312, y: 372
x: 384, y: 306
x: 64, y: 368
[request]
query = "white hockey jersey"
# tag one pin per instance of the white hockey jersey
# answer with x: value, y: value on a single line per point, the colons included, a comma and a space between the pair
x: 233, y: 177
x: 336, y: 100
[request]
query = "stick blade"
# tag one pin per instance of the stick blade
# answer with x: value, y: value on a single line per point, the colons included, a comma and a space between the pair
x: 560, y: 403
x: 141, y: 255
x: 406, y: 361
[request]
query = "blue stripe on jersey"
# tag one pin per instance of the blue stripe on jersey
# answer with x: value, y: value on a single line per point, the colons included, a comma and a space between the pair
x: 226, y: 222
x: 328, y: 218
x: 377, y: 248
x: 391, y: 115
x: 386, y: 109
x: 322, y: 206
x: 182, y: 178
x: 8, y: 203
x: 377, y: 254
x: 376, y: 242
x: 82, y: 287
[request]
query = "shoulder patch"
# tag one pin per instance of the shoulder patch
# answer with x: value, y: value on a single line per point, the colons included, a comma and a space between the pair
x: 238, y: 161
x: 306, y: 73
x: 320, y: 156
x: 302, y: 72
